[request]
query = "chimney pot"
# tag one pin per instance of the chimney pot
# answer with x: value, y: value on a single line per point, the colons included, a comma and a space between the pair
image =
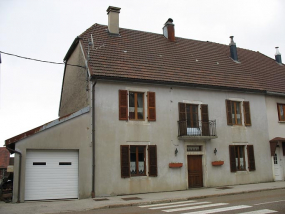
x: 278, y: 56
x: 113, y: 19
x: 233, y: 49
x: 168, y: 30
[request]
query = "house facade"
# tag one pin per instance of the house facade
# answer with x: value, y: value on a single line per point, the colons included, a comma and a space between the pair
x: 143, y: 112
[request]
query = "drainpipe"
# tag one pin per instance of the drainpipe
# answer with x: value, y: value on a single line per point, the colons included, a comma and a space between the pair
x: 20, y: 164
x: 93, y: 139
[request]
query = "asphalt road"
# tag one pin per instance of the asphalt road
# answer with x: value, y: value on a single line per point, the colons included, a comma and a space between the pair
x: 254, y: 203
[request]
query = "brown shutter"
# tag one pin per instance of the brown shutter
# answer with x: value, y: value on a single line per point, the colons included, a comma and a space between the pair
x: 151, y: 112
x: 152, y: 161
x: 283, y: 147
x: 250, y: 155
x: 182, y: 119
x: 233, y: 159
x: 205, y: 120
x: 123, y: 105
x: 246, y: 110
x: 229, y: 112
x: 125, y: 162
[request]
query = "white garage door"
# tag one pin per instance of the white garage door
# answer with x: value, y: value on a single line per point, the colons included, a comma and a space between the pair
x: 51, y: 174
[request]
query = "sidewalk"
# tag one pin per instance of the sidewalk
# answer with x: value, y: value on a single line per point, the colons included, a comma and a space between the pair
x: 133, y: 200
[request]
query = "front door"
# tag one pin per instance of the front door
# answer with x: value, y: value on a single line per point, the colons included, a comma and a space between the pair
x: 277, y: 165
x: 195, y: 172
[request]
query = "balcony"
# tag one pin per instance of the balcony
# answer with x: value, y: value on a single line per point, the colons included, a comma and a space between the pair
x: 200, y: 131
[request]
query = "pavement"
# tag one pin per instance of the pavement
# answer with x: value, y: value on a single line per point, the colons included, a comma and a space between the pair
x: 62, y: 206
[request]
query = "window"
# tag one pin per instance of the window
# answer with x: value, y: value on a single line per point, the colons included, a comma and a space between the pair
x: 133, y: 161
x: 234, y: 112
x: 281, y: 111
x: 238, y: 158
x: 136, y: 106
x: 131, y: 105
x: 192, y: 116
x: 137, y: 160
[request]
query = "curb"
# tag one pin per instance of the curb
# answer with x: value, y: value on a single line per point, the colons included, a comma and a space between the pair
x: 181, y: 199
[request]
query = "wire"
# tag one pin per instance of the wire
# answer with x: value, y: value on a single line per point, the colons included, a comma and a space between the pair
x: 59, y: 63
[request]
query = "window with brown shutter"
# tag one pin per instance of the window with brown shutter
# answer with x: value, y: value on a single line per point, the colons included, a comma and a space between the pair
x: 123, y: 105
x: 205, y: 120
x: 281, y: 111
x: 232, y: 158
x: 229, y: 112
x: 125, y: 161
x: 151, y: 111
x: 251, y: 160
x: 246, y: 110
x: 152, y: 160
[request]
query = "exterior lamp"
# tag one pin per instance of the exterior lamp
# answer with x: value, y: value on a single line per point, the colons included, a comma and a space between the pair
x: 215, y: 151
x: 176, y: 151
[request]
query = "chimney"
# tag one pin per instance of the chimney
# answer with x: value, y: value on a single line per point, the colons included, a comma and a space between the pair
x: 233, y: 49
x: 278, y: 56
x: 168, y: 30
x: 113, y: 19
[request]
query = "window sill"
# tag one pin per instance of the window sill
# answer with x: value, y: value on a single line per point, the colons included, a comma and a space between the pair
x: 281, y: 121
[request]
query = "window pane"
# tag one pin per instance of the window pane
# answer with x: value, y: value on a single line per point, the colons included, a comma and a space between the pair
x: 233, y: 113
x: 281, y: 107
x: 241, y: 157
x: 141, y: 160
x: 131, y: 105
x: 238, y: 113
x: 188, y: 118
x: 140, y: 105
x: 133, y: 160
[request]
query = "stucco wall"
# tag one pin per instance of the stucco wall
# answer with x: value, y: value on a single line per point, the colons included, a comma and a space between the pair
x: 74, y: 95
x: 111, y: 133
x: 74, y: 134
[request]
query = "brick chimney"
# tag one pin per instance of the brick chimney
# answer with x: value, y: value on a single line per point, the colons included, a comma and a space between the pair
x: 168, y: 30
x: 113, y: 19
x: 278, y: 56
x: 233, y: 49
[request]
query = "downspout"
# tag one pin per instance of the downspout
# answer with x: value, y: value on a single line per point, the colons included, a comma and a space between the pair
x: 20, y: 164
x: 93, y: 139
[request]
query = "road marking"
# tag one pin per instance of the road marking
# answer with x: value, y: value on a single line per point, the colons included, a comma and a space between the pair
x: 195, y: 207
x: 154, y: 205
x: 220, y: 209
x: 271, y: 202
x: 179, y: 205
x: 260, y: 212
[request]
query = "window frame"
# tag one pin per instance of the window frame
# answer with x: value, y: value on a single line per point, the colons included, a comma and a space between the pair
x: 235, y: 113
x: 137, y: 160
x: 136, y: 106
x: 279, y: 112
x: 238, y: 164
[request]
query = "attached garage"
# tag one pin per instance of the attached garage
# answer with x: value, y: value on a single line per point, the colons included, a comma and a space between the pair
x: 51, y: 174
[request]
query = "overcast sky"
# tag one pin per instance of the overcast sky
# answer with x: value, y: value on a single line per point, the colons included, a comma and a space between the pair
x: 45, y: 29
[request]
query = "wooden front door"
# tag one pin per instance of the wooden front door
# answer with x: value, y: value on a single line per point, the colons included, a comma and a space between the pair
x: 195, y: 171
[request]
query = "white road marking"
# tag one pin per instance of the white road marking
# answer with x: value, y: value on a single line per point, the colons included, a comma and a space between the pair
x: 154, y: 205
x: 195, y: 207
x: 220, y: 210
x: 270, y: 202
x: 260, y: 212
x: 179, y: 205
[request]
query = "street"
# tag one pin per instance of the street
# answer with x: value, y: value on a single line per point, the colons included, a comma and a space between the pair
x: 263, y: 202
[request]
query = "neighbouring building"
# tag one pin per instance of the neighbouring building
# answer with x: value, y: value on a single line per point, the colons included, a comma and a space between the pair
x: 4, y: 162
x: 144, y: 112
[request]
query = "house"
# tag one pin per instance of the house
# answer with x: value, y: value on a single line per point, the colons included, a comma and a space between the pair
x: 4, y: 162
x: 144, y: 112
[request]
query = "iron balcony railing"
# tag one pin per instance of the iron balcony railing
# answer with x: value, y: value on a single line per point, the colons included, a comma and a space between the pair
x: 200, y: 128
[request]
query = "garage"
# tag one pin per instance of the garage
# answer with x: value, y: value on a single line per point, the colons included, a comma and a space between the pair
x: 51, y: 174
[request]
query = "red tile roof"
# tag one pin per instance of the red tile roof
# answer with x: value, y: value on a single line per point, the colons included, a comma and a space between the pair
x: 4, y: 157
x: 144, y: 56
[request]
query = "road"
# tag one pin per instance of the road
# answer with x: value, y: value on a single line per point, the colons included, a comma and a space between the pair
x: 272, y: 201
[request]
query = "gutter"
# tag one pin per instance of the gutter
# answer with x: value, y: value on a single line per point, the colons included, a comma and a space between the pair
x: 275, y: 94
x: 93, y: 138
x: 20, y: 166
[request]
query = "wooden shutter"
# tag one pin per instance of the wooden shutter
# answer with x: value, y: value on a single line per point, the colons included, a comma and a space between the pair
x: 233, y: 158
x: 283, y: 147
x: 152, y: 161
x: 182, y: 119
x: 125, y: 161
x: 151, y: 112
x: 205, y: 120
x: 246, y: 110
x: 251, y: 160
x: 123, y: 105
x: 229, y: 112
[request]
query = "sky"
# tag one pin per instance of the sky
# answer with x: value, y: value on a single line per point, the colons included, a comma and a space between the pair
x: 44, y: 29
